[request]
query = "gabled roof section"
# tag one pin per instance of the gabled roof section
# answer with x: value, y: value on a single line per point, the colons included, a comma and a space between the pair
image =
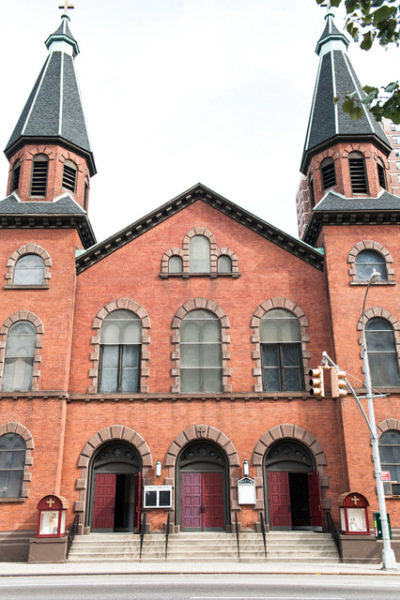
x: 200, y: 192
x: 63, y: 213
x: 335, y: 78
x: 53, y: 112
x: 335, y: 209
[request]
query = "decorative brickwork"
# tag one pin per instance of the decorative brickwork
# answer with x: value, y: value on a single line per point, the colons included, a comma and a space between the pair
x: 200, y: 303
x: 216, y: 436
x: 27, y: 437
x: 137, y: 309
x: 277, y: 302
x: 370, y: 245
x: 290, y: 432
x: 385, y: 314
x: 113, y: 432
x: 215, y: 253
x: 387, y: 425
x: 29, y: 249
x: 23, y: 315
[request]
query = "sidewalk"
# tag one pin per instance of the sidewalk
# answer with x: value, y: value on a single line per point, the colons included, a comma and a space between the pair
x: 178, y: 568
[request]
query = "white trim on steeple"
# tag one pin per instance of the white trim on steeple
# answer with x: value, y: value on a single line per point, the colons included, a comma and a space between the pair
x: 61, y: 46
x: 330, y: 46
x: 60, y: 115
x: 335, y: 106
x: 359, y: 92
x: 35, y: 98
x: 313, y: 106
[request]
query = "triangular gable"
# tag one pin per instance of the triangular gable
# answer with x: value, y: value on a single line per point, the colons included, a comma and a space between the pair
x: 200, y: 192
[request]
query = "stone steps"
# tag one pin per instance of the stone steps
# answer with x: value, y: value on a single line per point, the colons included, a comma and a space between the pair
x: 205, y: 547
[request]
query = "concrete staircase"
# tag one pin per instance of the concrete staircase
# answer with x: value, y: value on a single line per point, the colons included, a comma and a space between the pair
x: 287, y: 546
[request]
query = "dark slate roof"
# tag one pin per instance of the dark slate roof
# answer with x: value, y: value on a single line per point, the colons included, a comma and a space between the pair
x: 200, y: 192
x: 336, y: 77
x: 64, y: 213
x: 335, y: 209
x: 53, y: 112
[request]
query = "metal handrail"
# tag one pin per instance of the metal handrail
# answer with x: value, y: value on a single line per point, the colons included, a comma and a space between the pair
x: 72, y: 533
x: 332, y: 529
x: 142, y: 532
x: 167, y: 536
x: 237, y: 536
x: 263, y: 533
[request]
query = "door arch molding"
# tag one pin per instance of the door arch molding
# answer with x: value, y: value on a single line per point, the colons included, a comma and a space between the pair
x: 113, y: 432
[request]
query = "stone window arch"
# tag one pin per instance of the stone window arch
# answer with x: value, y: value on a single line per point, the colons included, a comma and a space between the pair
x: 205, y: 432
x: 21, y: 430
x: 23, y: 315
x: 184, y: 253
x: 276, y: 303
x: 25, y: 251
x: 371, y: 246
x: 113, y: 432
x: 139, y: 311
x: 291, y: 432
x: 211, y: 306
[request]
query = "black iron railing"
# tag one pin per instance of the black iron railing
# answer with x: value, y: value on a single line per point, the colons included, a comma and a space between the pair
x: 237, y: 536
x: 72, y: 533
x: 167, y: 536
x: 332, y: 529
x: 142, y: 532
x: 263, y: 533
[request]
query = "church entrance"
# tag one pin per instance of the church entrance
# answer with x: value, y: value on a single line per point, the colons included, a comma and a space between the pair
x: 202, y: 481
x: 115, y: 489
x: 293, y: 489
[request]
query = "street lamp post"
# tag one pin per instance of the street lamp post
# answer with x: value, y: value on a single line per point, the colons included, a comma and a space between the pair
x: 388, y: 557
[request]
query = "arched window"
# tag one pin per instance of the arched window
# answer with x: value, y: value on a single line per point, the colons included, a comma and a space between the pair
x: 69, y: 176
x: 29, y: 270
x: 224, y: 264
x: 12, y: 464
x: 280, y: 338
x: 19, y: 356
x: 120, y: 353
x: 381, y: 173
x: 199, y: 254
x: 382, y: 353
x: 175, y: 264
x: 367, y: 261
x: 201, y: 354
x: 328, y: 174
x: 40, y: 168
x: 389, y: 451
x: 358, y: 174
x: 15, y: 175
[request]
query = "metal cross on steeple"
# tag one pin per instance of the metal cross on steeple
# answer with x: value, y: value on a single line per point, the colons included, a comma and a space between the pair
x: 66, y: 7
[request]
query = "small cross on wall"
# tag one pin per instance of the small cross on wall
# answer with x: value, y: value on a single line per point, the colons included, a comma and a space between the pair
x: 50, y: 502
x: 354, y: 499
x: 66, y: 6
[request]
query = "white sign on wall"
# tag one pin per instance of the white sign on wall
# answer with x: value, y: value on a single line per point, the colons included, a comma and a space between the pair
x: 246, y: 491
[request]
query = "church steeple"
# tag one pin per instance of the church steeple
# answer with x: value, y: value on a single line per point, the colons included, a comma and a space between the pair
x: 51, y: 132
x: 341, y: 156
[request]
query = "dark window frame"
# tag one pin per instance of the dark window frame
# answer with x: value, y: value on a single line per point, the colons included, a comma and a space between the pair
x: 328, y: 173
x: 39, y: 176
x: 358, y: 173
x: 12, y: 468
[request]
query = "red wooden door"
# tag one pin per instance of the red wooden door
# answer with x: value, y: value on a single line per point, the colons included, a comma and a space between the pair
x: 137, y: 501
x: 279, y: 500
x: 104, y: 502
x: 212, y: 501
x: 314, y: 491
x: 191, y: 501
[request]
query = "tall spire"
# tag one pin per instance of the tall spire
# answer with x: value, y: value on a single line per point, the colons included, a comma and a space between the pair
x: 336, y: 77
x: 53, y: 112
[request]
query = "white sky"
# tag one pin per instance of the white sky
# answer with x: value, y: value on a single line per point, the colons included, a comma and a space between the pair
x: 181, y: 91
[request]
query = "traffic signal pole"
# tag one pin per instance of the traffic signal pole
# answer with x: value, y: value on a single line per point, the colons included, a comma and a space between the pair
x: 388, y: 557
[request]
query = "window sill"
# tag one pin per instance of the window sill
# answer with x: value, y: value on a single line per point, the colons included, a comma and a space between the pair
x: 13, y: 500
x: 365, y: 283
x: 42, y: 286
x: 215, y: 275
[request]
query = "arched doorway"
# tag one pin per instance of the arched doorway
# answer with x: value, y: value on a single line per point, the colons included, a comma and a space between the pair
x: 293, y: 495
x: 202, y: 487
x: 114, y: 488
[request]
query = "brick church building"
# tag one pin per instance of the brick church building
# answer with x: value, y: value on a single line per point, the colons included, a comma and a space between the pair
x: 149, y: 373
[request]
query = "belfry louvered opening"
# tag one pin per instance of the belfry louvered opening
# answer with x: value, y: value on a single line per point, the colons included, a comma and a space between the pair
x: 69, y: 176
x: 381, y: 174
x: 358, y: 174
x: 40, y: 168
x: 15, y: 176
x: 328, y: 173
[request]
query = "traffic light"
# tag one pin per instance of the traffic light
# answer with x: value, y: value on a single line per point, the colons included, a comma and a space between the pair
x: 317, y: 382
x: 338, y: 383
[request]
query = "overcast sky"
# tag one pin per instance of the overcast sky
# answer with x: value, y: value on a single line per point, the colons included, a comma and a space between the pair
x: 181, y: 91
